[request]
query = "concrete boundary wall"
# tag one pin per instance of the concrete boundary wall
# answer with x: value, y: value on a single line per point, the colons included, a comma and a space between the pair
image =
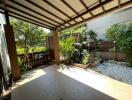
x: 100, y: 25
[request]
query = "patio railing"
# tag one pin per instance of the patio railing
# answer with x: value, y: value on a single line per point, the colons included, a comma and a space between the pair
x: 32, y: 60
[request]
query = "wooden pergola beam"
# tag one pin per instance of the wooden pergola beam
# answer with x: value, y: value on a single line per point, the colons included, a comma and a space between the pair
x: 30, y: 21
x: 54, y: 23
x: 44, y: 25
x: 71, y: 8
x: 102, y: 6
x: 82, y: 2
x: 27, y: 20
x: 36, y: 5
x: 119, y: 3
x: 100, y: 14
x: 87, y: 11
x: 34, y: 11
x: 46, y: 1
x: 30, y: 15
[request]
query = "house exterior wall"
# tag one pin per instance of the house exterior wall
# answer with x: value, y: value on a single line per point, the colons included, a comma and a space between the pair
x: 3, y: 48
x: 100, y: 25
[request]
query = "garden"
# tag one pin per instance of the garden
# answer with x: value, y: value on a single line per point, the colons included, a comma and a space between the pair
x: 112, y: 57
x: 80, y: 47
x: 30, y: 44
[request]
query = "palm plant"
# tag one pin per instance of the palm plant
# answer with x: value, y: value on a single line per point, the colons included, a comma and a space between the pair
x: 67, y: 48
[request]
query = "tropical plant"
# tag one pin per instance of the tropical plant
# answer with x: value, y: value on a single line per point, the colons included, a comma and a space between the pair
x: 92, y: 35
x: 115, y: 31
x: 122, y: 34
x: 78, y: 30
x: 22, y: 65
x: 130, y: 62
x: 125, y: 42
x: 86, y: 58
x: 27, y: 35
x: 66, y: 47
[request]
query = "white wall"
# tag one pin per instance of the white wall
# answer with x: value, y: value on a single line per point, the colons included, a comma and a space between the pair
x: 99, y: 25
x: 3, y: 48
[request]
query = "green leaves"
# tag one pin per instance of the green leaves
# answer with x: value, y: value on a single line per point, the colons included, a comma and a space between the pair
x: 125, y: 42
x: 31, y: 50
x: 115, y: 31
x: 86, y: 58
x: 66, y: 46
x: 92, y: 35
x: 82, y: 29
x: 27, y: 35
x: 122, y: 34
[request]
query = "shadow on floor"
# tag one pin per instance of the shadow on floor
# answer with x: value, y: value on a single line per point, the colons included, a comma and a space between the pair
x: 56, y: 86
x: 6, y: 97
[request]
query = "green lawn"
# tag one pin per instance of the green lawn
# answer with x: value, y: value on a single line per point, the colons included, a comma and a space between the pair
x: 31, y: 50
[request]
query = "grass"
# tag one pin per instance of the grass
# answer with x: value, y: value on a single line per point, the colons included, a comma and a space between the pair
x: 31, y: 50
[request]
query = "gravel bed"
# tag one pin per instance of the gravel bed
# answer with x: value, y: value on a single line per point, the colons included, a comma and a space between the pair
x: 117, y: 71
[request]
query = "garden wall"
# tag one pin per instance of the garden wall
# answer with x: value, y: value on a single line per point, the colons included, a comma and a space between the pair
x: 101, y: 24
x: 113, y: 56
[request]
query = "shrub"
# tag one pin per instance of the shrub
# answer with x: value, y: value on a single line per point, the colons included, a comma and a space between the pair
x: 31, y: 50
x: 23, y: 66
x: 122, y: 34
x: 130, y: 62
x: 66, y: 47
x: 86, y: 58
x: 20, y: 51
x: 115, y: 31
x: 37, y: 49
x: 125, y: 42
x: 112, y: 50
x: 92, y: 35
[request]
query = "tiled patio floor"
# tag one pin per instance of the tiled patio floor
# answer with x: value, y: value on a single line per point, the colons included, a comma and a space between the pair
x: 55, y: 83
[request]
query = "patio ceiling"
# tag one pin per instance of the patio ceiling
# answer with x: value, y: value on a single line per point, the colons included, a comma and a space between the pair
x: 59, y: 14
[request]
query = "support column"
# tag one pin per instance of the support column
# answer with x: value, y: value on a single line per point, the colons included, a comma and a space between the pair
x: 56, y: 47
x: 11, y: 47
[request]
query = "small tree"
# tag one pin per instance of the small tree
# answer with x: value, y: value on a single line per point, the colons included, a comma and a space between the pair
x: 92, y: 35
x: 82, y: 30
x: 27, y: 35
x: 115, y: 31
x: 122, y: 34
x: 67, y: 48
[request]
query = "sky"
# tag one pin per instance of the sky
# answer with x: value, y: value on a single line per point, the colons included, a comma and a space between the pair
x: 47, y: 30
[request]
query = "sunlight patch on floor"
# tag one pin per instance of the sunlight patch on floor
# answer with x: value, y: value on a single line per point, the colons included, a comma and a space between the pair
x: 106, y: 85
x: 28, y: 77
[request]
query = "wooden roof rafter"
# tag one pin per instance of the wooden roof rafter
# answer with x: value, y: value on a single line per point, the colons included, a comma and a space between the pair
x: 102, y: 6
x: 71, y: 8
x: 119, y: 3
x: 87, y: 11
x: 29, y: 14
x: 17, y: 3
x: 38, y: 6
x: 100, y: 14
x: 86, y: 7
x: 39, y: 23
x: 53, y: 6
x: 26, y: 19
x: 52, y: 14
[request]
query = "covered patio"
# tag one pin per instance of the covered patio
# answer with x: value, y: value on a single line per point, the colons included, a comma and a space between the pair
x: 69, y: 83
x: 59, y: 82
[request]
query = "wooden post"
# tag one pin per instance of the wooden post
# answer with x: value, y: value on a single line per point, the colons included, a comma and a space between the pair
x: 11, y: 47
x: 56, y: 47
